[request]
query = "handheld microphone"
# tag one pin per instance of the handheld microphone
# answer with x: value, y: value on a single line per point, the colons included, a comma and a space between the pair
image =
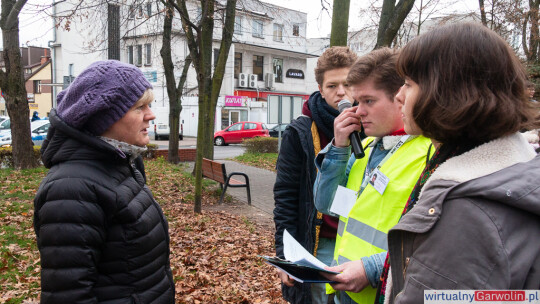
x: 354, y: 137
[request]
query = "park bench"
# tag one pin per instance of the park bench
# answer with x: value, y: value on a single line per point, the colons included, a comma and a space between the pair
x: 216, y: 171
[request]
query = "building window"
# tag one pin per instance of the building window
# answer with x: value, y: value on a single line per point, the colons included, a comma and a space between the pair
x: 140, y: 11
x: 198, y: 16
x: 148, y: 9
x: 296, y: 30
x: 138, y: 62
x: 278, y: 32
x: 113, y: 22
x: 237, y: 64
x: 238, y: 25
x: 130, y: 54
x: 37, y: 86
x: 148, y: 54
x: 131, y: 11
x: 257, y: 28
x: 258, y: 63
x: 216, y: 57
x: 278, y: 69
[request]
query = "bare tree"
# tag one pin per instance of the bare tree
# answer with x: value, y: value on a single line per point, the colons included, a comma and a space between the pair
x: 340, y: 23
x: 13, y: 86
x: 392, y: 17
x: 199, y: 39
x: 174, y: 91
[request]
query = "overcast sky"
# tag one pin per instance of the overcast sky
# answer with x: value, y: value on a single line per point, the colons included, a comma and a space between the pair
x: 36, y: 27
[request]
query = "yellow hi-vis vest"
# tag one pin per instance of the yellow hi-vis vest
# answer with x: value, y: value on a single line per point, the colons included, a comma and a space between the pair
x: 364, y: 232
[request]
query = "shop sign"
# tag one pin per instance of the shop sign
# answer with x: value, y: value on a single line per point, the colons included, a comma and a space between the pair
x: 30, y: 97
x: 151, y: 76
x: 236, y: 101
x: 293, y: 73
x: 33, y: 106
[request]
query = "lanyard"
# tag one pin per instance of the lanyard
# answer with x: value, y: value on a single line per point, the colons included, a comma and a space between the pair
x: 368, y: 176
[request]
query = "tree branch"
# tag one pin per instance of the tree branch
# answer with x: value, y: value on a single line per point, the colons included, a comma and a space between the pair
x: 183, y: 77
x: 14, y: 14
x: 187, y: 26
x: 226, y: 37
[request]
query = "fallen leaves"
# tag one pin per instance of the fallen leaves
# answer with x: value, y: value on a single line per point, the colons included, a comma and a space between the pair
x: 214, y: 255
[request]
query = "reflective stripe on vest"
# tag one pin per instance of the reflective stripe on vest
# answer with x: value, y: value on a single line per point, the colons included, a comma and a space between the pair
x: 364, y: 232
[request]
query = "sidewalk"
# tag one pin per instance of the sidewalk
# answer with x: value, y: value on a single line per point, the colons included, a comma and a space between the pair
x: 261, y: 183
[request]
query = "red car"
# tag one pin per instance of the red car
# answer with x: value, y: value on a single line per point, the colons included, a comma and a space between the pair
x: 235, y: 133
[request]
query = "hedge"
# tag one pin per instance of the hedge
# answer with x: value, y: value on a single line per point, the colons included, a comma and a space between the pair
x: 261, y: 145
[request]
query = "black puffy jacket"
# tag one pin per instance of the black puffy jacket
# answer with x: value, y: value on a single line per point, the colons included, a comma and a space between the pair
x: 101, y: 235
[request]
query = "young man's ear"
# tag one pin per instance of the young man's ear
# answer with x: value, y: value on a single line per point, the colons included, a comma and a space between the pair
x: 320, y: 90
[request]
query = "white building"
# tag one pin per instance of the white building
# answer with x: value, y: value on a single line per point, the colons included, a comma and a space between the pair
x: 268, y: 55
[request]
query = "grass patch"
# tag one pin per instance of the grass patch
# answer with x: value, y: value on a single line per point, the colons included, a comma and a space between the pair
x: 19, y: 257
x: 260, y: 160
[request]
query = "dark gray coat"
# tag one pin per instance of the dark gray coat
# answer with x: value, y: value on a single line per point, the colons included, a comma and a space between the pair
x: 101, y: 235
x: 476, y: 225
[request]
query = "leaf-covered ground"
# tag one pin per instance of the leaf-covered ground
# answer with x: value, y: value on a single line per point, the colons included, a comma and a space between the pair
x: 213, y: 255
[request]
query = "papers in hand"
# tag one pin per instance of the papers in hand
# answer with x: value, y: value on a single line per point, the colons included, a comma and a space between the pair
x: 299, y: 264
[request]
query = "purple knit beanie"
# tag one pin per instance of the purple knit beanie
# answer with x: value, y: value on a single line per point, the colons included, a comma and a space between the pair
x: 101, y: 95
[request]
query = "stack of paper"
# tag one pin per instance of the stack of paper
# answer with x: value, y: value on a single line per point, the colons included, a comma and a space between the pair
x: 299, y: 264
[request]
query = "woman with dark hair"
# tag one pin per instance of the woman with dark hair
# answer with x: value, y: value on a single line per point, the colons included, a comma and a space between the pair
x: 473, y: 218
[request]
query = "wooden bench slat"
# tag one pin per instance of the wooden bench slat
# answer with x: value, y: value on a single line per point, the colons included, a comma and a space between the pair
x: 216, y: 171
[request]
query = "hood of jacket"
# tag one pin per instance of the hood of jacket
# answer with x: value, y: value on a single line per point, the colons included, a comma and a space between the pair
x: 64, y: 143
x: 504, y: 170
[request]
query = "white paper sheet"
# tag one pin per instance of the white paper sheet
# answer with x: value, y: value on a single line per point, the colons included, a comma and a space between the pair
x: 343, y: 202
x: 295, y: 253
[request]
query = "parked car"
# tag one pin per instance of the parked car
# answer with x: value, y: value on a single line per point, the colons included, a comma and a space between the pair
x: 38, y: 128
x: 235, y: 133
x: 274, y: 131
x: 5, y: 125
x: 162, y: 130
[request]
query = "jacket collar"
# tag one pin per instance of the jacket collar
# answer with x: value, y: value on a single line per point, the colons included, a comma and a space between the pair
x: 471, y: 174
x: 484, y: 159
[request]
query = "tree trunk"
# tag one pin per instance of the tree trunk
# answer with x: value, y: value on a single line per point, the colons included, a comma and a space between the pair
x: 200, y: 48
x: 340, y: 23
x: 174, y: 92
x: 482, y: 12
x: 392, y: 17
x: 12, y: 84
x: 534, y: 32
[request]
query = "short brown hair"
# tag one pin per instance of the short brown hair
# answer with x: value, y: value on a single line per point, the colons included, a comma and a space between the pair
x: 336, y: 57
x: 472, y: 85
x: 380, y: 66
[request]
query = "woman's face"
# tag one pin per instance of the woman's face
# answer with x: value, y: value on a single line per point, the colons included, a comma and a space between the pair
x: 407, y: 96
x: 133, y: 127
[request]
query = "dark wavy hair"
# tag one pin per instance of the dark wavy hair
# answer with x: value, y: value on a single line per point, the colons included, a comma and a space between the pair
x: 336, y: 57
x: 472, y: 85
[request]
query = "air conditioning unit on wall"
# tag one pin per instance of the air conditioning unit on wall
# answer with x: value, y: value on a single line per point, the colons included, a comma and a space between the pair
x: 243, y: 80
x: 252, y: 81
x: 269, y: 80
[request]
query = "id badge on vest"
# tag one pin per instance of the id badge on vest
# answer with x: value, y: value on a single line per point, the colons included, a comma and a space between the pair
x: 379, y: 181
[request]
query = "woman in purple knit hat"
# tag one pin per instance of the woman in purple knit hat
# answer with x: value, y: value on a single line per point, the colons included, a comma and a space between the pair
x: 101, y: 235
